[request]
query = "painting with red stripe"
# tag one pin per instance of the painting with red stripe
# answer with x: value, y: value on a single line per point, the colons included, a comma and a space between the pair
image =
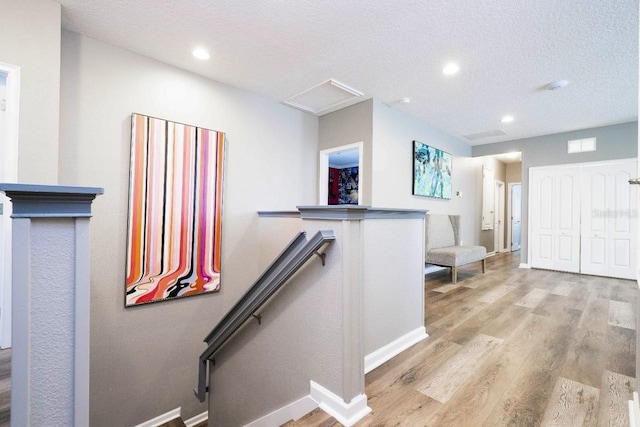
x: 175, y: 210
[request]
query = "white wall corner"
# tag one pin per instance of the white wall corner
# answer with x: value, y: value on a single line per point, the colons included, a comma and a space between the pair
x: 193, y: 421
x: 292, y: 411
x: 161, y: 419
x: 346, y: 413
x: 524, y: 265
x: 381, y: 355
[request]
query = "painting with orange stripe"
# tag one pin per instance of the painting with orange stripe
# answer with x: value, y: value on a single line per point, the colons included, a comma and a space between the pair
x: 175, y: 211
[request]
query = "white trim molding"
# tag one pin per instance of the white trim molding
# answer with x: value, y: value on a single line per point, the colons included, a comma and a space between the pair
x: 524, y: 265
x: 384, y: 353
x: 292, y: 411
x: 162, y: 419
x: 346, y: 413
x: 193, y: 421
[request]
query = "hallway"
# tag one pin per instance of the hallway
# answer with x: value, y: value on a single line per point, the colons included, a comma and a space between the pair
x: 511, y: 347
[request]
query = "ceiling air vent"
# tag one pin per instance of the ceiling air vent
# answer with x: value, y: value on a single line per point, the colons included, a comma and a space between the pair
x: 485, y: 134
x: 323, y: 96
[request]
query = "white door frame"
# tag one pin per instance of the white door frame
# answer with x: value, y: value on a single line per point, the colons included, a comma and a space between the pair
x: 323, y: 171
x: 10, y: 175
x: 498, y: 233
x: 510, y: 214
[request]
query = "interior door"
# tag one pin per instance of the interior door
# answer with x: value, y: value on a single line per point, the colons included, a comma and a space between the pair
x: 541, y: 203
x: 609, y: 223
x: 516, y: 213
x: 498, y: 238
x: 555, y: 218
x: 567, y: 227
x: 488, y: 198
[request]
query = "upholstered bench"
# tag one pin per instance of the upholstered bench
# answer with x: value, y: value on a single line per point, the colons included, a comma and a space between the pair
x: 443, y: 244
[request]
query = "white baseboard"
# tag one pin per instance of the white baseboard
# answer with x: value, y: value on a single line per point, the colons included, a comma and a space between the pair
x: 381, y: 355
x: 490, y: 254
x: 524, y: 265
x: 346, y: 413
x: 292, y: 411
x: 634, y: 411
x: 197, y: 419
x: 161, y: 419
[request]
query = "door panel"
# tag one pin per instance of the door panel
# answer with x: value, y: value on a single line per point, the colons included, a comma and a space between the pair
x: 542, y: 236
x: 516, y: 212
x: 608, y: 215
x: 567, y: 213
x: 555, y: 218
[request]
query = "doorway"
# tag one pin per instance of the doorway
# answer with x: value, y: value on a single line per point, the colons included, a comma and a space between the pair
x: 498, y: 226
x: 514, y: 205
x: 9, y: 111
x: 340, y: 175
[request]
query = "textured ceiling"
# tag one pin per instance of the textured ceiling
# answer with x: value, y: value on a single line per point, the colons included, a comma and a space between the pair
x: 508, y: 50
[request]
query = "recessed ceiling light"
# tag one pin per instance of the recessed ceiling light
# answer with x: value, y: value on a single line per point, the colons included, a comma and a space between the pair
x: 451, y: 68
x: 507, y: 119
x: 405, y: 100
x: 200, y: 53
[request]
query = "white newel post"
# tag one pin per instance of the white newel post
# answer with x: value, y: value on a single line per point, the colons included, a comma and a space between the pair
x: 50, y: 304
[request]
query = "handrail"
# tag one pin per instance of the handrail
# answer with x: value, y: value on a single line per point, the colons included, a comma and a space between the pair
x: 286, y: 264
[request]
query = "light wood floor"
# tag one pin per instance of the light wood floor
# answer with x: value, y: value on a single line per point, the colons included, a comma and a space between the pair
x: 512, y: 347
x: 5, y: 387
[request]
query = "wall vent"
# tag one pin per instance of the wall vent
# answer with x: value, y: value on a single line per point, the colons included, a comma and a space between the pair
x: 485, y: 134
x: 581, y: 145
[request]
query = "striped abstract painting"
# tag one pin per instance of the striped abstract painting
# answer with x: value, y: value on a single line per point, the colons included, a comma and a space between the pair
x: 175, y: 211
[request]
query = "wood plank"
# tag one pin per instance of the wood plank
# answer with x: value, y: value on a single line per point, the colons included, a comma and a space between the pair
x: 446, y: 288
x: 572, y: 404
x: 533, y: 298
x: 495, y: 293
x: 615, y: 393
x: 524, y: 403
x: 563, y: 288
x: 621, y: 314
x: 623, y: 290
x: 472, y: 405
x: 467, y: 330
x: 558, y: 308
x: 620, y: 351
x: 410, y: 408
x: 411, y: 370
x: 595, y: 316
x: 450, y: 376
x: 585, y: 359
x: 503, y: 325
x: 529, y: 334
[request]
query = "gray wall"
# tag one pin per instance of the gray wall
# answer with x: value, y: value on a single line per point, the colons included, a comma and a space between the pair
x: 514, y: 172
x: 393, y: 134
x: 144, y: 359
x: 347, y: 126
x: 31, y: 40
x: 613, y: 142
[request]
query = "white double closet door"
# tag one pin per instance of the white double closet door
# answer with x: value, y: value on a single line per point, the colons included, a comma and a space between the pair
x: 583, y: 218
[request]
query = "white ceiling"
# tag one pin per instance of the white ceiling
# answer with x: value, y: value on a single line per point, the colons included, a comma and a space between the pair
x: 508, y: 50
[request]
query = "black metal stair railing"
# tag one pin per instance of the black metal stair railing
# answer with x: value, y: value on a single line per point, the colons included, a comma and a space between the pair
x: 288, y: 262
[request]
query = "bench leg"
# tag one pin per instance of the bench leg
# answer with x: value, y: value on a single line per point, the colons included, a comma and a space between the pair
x: 484, y: 265
x: 454, y: 275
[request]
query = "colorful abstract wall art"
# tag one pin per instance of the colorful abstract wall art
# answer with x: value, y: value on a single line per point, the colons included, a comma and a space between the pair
x: 175, y: 211
x: 431, y: 171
